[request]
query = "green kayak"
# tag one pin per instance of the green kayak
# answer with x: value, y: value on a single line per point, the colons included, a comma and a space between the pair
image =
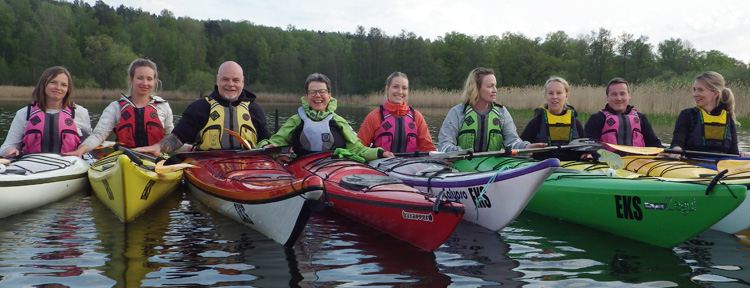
x: 657, y: 212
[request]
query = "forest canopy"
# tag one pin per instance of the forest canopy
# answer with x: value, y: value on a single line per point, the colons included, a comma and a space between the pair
x: 97, y: 43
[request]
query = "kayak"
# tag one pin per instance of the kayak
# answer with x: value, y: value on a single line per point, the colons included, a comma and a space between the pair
x: 255, y: 190
x: 129, y: 189
x: 654, y: 211
x: 735, y: 222
x: 492, y: 199
x: 34, y: 180
x: 369, y: 196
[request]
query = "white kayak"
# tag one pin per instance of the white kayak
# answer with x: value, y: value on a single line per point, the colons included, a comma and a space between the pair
x: 492, y: 199
x: 34, y: 180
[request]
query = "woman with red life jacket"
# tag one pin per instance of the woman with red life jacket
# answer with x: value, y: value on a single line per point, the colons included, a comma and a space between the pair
x: 396, y: 126
x: 709, y: 126
x: 51, y: 123
x: 138, y: 119
x: 619, y: 123
x: 556, y: 122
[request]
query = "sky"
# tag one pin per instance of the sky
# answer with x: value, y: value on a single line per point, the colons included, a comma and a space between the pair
x: 707, y: 25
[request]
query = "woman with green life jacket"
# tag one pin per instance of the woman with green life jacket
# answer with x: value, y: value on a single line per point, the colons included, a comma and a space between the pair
x: 316, y: 127
x: 478, y: 122
x: 709, y: 126
x: 555, y: 123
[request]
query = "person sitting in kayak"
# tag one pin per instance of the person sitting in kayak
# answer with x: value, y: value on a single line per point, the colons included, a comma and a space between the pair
x: 619, y: 123
x: 555, y: 123
x: 478, y: 122
x: 709, y: 126
x: 317, y: 127
x: 396, y: 126
x: 204, y: 120
x: 51, y: 110
x: 139, y: 118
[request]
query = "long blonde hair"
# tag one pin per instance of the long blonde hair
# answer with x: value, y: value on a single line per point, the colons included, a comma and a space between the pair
x: 470, y: 95
x: 715, y: 82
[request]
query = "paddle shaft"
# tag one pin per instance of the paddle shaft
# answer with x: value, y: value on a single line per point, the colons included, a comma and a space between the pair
x: 700, y: 153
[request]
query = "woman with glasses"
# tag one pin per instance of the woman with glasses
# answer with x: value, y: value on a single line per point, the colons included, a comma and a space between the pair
x: 478, y: 122
x: 396, y: 126
x: 316, y: 126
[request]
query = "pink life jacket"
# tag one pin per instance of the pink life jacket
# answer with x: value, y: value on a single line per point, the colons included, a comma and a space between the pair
x: 47, y: 136
x: 396, y: 134
x: 622, y: 129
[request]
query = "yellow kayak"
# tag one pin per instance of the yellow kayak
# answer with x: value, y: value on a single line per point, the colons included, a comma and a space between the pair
x: 129, y: 189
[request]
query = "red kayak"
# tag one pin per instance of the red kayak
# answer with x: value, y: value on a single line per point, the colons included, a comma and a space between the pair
x: 254, y: 190
x: 371, y: 197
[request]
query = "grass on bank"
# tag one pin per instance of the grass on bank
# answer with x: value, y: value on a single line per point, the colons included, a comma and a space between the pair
x: 660, y: 101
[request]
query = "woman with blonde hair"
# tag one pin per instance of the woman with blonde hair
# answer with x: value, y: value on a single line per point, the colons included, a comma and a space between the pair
x: 478, y: 122
x: 395, y: 126
x: 555, y: 123
x: 137, y: 119
x: 709, y: 126
x: 51, y: 109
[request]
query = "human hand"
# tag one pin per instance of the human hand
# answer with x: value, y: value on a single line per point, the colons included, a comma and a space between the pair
x: 388, y: 154
x: 11, y: 152
x: 536, y: 145
x: 744, y: 154
x: 153, y: 149
x: 586, y: 156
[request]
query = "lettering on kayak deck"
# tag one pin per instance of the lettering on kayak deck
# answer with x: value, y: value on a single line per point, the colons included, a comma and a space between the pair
x: 628, y: 207
x: 474, y: 192
x: 242, y: 214
x: 683, y: 207
x: 417, y: 216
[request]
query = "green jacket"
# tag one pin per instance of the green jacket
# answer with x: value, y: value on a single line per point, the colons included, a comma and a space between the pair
x: 285, y: 134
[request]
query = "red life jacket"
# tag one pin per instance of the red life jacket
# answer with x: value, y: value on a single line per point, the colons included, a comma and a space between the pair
x: 138, y: 126
x: 50, y: 136
x: 396, y: 134
x: 622, y: 129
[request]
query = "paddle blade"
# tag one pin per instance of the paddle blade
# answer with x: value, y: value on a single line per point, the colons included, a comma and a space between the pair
x: 635, y: 150
x: 612, y: 159
x: 733, y: 165
x: 240, y: 139
x: 4, y: 161
x: 161, y: 168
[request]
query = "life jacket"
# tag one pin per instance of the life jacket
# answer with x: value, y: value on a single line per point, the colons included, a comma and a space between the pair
x: 481, y: 132
x: 51, y: 133
x: 235, y: 118
x: 711, y: 132
x: 622, y: 129
x: 557, y: 129
x: 138, y: 126
x: 396, y: 134
x: 314, y: 136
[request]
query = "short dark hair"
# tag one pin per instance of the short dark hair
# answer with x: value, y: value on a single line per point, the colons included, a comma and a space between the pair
x: 317, y: 77
x: 617, y: 80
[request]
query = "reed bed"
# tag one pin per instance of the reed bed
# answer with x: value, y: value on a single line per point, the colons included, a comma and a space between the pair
x: 650, y: 97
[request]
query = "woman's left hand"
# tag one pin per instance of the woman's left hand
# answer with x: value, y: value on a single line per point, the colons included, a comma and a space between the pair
x: 744, y: 154
x: 536, y: 145
x: 388, y: 154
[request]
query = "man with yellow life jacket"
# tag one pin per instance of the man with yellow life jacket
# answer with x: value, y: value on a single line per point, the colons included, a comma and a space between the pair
x: 229, y: 106
x: 478, y: 122
x: 619, y: 123
x: 710, y: 125
x: 555, y: 123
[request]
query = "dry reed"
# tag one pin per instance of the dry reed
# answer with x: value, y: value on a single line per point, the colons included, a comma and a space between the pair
x: 650, y: 97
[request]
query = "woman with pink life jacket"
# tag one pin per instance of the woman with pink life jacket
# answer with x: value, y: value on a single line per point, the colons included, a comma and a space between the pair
x: 52, y: 123
x: 619, y: 123
x: 138, y: 119
x: 395, y: 126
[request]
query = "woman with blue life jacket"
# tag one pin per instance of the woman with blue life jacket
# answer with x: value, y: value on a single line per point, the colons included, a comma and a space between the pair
x: 395, y: 126
x: 137, y: 119
x: 478, y: 122
x: 619, y: 122
x: 555, y: 123
x: 709, y: 126
x: 316, y: 127
x: 51, y: 123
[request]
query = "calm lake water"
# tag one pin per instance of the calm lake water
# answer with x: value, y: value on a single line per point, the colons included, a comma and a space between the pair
x: 78, y: 242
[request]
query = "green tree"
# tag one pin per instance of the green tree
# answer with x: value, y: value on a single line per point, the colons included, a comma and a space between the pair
x: 108, y: 60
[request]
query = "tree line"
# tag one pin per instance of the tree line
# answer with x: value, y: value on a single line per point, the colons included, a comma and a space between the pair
x: 97, y: 43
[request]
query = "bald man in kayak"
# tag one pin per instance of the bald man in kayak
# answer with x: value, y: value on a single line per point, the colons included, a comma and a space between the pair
x: 228, y: 106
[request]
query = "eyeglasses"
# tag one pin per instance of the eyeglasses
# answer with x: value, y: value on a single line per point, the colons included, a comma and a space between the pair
x: 322, y: 92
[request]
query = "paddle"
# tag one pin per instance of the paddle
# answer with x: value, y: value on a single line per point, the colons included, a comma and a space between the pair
x: 582, y: 144
x: 239, y: 138
x: 734, y: 166
x: 159, y: 161
x: 657, y: 150
x: 4, y: 161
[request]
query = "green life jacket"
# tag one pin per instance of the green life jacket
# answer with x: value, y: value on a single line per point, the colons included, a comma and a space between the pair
x: 481, y: 132
x: 235, y: 118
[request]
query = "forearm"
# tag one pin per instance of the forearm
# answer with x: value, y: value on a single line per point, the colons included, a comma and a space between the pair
x: 170, y: 143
